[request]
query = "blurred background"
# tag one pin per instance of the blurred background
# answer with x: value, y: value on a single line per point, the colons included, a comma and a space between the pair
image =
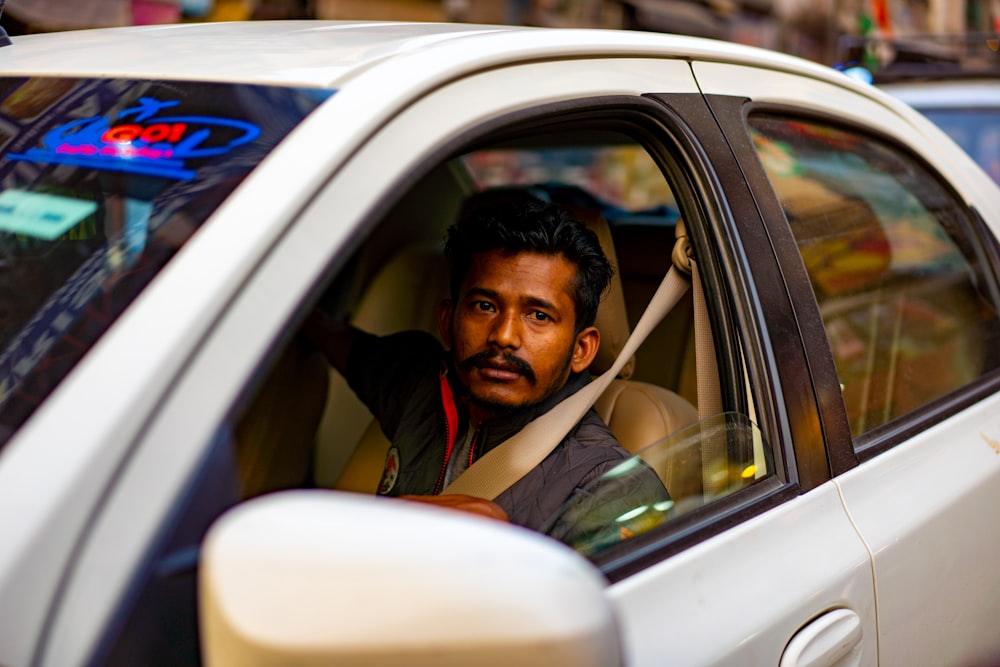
x: 828, y: 31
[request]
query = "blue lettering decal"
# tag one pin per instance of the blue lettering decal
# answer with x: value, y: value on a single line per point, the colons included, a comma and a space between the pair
x: 137, y: 141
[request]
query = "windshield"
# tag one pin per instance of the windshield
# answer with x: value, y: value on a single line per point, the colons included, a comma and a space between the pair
x: 101, y: 182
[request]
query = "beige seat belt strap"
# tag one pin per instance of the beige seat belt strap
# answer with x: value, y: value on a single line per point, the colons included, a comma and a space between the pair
x: 706, y: 365
x: 713, y: 450
x: 714, y: 457
x: 505, y: 464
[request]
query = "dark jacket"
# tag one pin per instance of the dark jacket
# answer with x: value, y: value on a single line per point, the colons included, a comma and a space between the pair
x: 404, y: 380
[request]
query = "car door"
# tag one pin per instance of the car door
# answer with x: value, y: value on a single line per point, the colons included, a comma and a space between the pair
x: 897, y: 237
x: 774, y: 569
x: 793, y: 557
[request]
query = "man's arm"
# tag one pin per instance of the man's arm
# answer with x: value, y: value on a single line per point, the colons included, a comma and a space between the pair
x: 473, y: 505
x: 334, y: 339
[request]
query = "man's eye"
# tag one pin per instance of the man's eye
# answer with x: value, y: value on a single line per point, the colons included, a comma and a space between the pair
x: 484, y: 306
x: 539, y: 315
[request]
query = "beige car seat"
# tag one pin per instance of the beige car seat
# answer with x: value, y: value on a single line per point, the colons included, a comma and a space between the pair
x: 274, y: 437
x: 638, y: 413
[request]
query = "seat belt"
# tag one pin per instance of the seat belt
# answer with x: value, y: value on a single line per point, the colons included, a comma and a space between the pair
x: 714, y: 455
x: 498, y: 469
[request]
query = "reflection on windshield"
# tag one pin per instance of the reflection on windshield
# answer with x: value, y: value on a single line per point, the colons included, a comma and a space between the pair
x: 697, y: 464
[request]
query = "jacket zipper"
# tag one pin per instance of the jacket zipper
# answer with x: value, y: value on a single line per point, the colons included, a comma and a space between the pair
x: 472, y: 446
x: 450, y: 427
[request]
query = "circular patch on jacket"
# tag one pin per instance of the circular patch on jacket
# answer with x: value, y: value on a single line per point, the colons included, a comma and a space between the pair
x: 390, y: 473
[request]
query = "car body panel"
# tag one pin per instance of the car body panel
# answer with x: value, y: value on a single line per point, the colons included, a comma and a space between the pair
x: 304, y: 53
x: 927, y: 510
x: 328, y: 53
x: 776, y: 580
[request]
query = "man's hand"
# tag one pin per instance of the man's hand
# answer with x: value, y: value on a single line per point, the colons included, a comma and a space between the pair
x: 479, y: 506
x: 334, y: 339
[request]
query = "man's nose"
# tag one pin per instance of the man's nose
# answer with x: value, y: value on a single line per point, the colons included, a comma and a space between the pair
x: 506, y: 331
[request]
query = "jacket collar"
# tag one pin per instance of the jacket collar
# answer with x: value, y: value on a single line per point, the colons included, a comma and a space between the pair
x: 495, y: 431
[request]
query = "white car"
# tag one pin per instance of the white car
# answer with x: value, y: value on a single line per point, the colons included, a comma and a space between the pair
x: 968, y: 110
x: 184, y: 481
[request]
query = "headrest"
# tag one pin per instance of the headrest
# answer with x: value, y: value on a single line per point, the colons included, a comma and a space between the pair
x: 612, y: 319
x: 405, y: 293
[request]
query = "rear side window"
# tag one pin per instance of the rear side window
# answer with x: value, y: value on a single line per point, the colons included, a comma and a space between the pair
x: 101, y: 182
x: 906, y: 294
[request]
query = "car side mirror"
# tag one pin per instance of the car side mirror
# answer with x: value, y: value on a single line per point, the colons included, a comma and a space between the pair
x: 324, y: 577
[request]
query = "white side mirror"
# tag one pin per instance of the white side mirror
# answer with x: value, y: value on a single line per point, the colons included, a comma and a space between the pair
x: 322, y: 578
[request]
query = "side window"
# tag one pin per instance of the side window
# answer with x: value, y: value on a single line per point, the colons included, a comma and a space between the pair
x: 907, y: 297
x: 702, y: 462
x: 611, y: 182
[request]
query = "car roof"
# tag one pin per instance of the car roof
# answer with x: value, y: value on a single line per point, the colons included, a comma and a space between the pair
x: 326, y: 54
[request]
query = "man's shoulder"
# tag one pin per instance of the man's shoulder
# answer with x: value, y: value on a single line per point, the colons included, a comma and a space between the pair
x: 587, y: 451
x: 591, y: 432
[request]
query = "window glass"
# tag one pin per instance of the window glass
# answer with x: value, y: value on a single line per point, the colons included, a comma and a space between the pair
x: 908, y: 302
x: 623, y: 177
x: 101, y: 181
x: 705, y: 461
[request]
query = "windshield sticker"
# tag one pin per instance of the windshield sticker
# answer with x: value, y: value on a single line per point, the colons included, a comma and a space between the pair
x: 139, y: 141
x: 41, y: 215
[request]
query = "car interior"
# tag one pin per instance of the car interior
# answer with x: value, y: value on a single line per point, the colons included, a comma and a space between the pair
x: 306, y: 428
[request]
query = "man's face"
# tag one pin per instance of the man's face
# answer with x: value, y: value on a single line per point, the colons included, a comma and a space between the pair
x: 511, y: 331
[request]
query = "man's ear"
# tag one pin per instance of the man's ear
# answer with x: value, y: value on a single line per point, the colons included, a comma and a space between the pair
x: 585, y: 349
x: 445, y: 311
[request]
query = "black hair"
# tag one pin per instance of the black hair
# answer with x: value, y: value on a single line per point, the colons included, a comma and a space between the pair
x: 513, y: 221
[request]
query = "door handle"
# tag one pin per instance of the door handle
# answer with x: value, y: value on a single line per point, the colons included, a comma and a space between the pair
x: 831, y: 640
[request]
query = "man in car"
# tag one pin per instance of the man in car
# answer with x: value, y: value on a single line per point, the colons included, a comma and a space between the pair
x: 519, y: 332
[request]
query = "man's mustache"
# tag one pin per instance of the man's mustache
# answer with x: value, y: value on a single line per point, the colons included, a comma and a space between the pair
x: 498, y: 359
